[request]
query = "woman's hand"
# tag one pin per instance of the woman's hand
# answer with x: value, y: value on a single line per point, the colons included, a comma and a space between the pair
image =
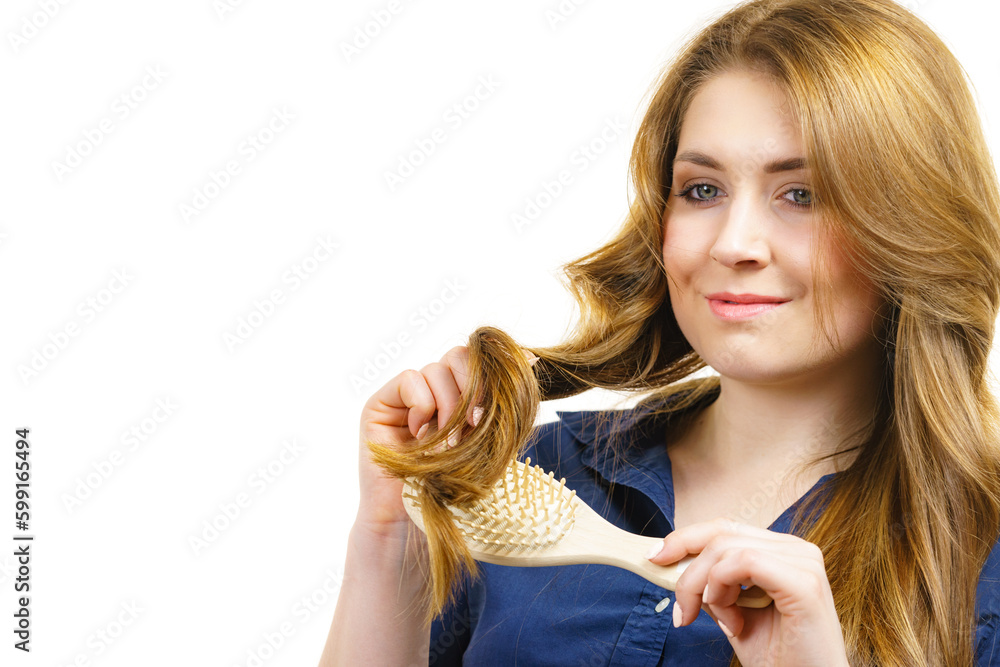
x: 399, y: 411
x: 383, y: 588
x: 801, y: 628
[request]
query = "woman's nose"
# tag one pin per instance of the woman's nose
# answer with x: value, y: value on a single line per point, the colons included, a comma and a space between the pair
x: 742, y: 237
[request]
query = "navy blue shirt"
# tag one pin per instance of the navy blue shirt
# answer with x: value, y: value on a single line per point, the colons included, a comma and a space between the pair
x: 601, y: 615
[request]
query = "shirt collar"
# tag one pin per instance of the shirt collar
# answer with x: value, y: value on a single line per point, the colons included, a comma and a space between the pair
x: 638, y: 457
x: 628, y: 448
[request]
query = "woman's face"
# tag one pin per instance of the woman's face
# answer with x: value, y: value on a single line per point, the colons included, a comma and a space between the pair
x: 739, y: 221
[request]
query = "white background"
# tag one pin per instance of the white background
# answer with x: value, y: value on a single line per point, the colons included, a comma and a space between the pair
x: 119, y: 541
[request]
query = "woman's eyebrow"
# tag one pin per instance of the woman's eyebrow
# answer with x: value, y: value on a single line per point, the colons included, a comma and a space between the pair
x: 772, y: 167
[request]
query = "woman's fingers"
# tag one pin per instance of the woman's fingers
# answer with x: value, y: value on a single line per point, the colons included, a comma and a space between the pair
x: 457, y: 359
x: 801, y: 627
x: 444, y: 385
x: 796, y: 584
x: 725, y: 581
x: 790, y: 577
x: 716, y: 576
x: 730, y: 620
x: 413, y: 398
x: 731, y: 555
x: 405, y: 401
x: 694, y: 539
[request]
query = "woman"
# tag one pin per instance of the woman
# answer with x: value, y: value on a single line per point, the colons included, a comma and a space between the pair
x: 817, y: 218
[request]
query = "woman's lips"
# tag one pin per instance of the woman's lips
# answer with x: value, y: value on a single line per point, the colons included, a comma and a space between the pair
x: 741, y: 311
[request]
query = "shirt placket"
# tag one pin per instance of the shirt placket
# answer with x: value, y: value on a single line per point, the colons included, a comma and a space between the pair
x: 642, y: 639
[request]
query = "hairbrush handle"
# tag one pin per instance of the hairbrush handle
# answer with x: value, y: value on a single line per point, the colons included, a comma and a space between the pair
x: 667, y: 575
x: 606, y: 544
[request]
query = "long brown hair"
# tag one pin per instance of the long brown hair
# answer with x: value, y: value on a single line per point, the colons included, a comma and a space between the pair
x: 903, y: 179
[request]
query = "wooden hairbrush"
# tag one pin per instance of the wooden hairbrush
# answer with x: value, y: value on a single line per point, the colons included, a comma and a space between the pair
x: 530, y: 519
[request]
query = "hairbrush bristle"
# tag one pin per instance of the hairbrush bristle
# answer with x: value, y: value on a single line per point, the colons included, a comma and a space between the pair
x: 527, y: 509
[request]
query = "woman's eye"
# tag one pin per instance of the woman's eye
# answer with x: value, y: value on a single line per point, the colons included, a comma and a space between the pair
x: 800, y: 197
x: 700, y: 193
x: 705, y: 191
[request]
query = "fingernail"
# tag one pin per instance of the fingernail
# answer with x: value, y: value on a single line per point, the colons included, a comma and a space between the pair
x: 653, y: 550
x: 423, y: 430
x: 531, y: 358
x: 477, y: 414
x: 729, y: 633
x: 678, y: 615
x: 452, y: 439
